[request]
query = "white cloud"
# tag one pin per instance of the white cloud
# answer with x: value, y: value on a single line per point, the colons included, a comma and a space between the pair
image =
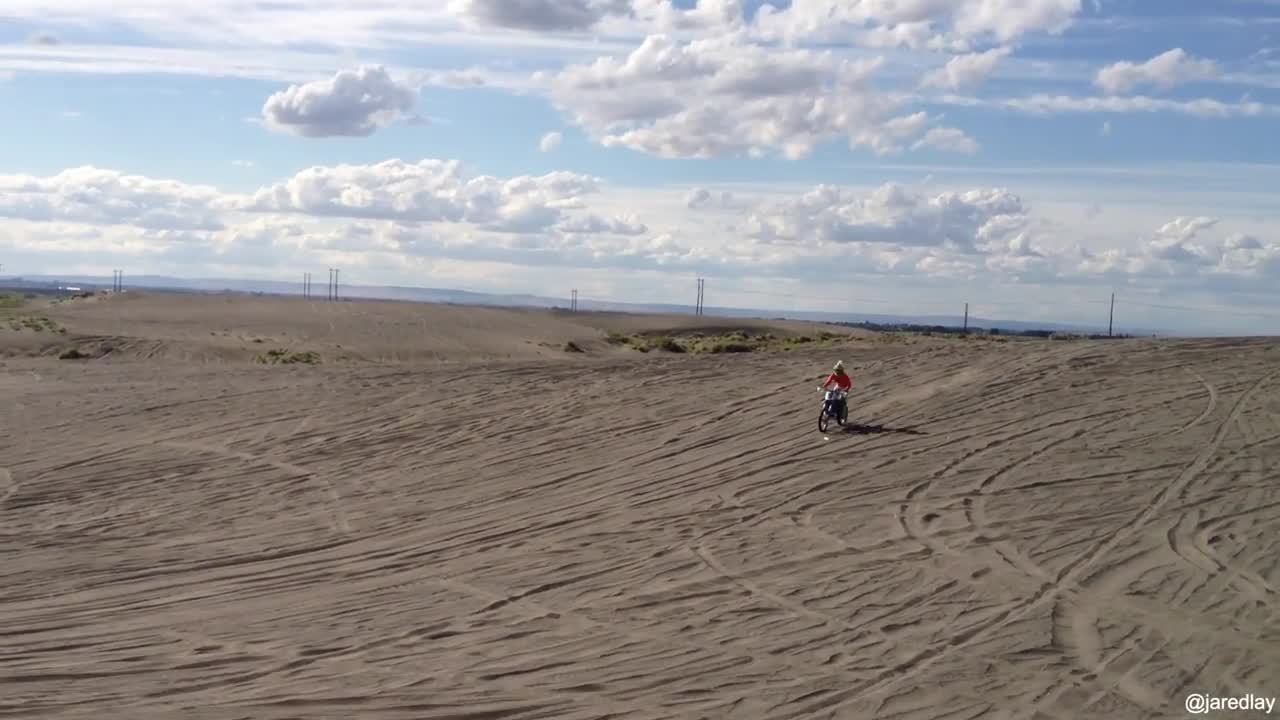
x: 1105, y: 130
x: 1164, y: 71
x: 244, y: 163
x: 1046, y: 104
x: 540, y: 15
x: 892, y: 215
x: 948, y: 139
x: 396, y: 218
x: 351, y: 103
x: 550, y: 141
x: 965, y: 70
x: 703, y: 198
x: 723, y: 96
x: 106, y: 197
x: 663, y: 16
x: 1178, y: 251
x: 1184, y: 229
x: 408, y: 23
x: 608, y: 17
x: 235, y: 23
x: 594, y: 224
x: 428, y: 191
x: 939, y: 24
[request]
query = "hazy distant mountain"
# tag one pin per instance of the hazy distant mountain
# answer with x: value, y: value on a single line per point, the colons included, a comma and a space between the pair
x: 466, y: 297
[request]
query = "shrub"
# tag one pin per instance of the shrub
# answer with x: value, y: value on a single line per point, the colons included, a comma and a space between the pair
x: 286, y: 357
x: 71, y: 354
x: 732, y: 347
x: 572, y: 347
x: 668, y: 344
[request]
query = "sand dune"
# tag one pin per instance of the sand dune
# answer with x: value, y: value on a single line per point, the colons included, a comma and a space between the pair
x: 195, y: 328
x: 1008, y: 530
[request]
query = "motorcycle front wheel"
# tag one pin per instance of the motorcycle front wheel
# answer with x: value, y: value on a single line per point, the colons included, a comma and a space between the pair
x: 824, y: 420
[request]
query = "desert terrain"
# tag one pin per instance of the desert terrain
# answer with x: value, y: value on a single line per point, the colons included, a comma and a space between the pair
x: 448, y: 512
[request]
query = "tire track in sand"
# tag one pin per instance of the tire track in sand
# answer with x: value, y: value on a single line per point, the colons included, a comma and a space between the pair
x: 1068, y: 578
x: 335, y: 499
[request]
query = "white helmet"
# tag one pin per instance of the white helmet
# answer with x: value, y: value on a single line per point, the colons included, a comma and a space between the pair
x: 839, y: 366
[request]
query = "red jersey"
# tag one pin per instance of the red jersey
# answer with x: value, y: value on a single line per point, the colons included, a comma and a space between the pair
x: 842, y: 381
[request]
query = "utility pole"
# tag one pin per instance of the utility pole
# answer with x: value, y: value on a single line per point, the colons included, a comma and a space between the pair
x: 1112, y: 321
x: 573, y: 302
x: 335, y: 284
x: 966, y: 317
x: 701, y: 291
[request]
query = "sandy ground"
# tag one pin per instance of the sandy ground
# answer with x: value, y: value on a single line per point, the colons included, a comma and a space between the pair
x: 1016, y: 530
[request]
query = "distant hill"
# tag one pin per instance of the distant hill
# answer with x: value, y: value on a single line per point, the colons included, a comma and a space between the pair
x: 466, y: 297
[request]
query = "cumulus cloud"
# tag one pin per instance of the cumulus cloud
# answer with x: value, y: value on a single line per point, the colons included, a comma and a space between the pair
x: 107, y: 197
x: 352, y: 103
x: 723, y: 96
x: 1183, y: 229
x: 1173, y: 242
x: 540, y: 15
x: 1178, y: 250
x: 949, y: 24
x: 550, y: 141
x: 892, y: 215
x: 1164, y: 71
x: 703, y: 198
x: 594, y: 224
x: 664, y: 16
x: 610, y: 16
x: 397, y: 213
x: 965, y: 70
x: 948, y: 139
x: 428, y: 191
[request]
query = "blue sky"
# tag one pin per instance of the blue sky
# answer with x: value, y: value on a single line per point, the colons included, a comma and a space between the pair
x: 924, y: 153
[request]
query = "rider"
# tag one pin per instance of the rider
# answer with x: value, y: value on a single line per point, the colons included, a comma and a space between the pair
x: 843, y: 382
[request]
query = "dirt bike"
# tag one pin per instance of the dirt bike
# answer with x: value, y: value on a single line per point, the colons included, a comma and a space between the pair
x: 834, y: 405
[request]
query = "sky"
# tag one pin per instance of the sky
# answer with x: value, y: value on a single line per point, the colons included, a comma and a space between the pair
x: 1027, y: 157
